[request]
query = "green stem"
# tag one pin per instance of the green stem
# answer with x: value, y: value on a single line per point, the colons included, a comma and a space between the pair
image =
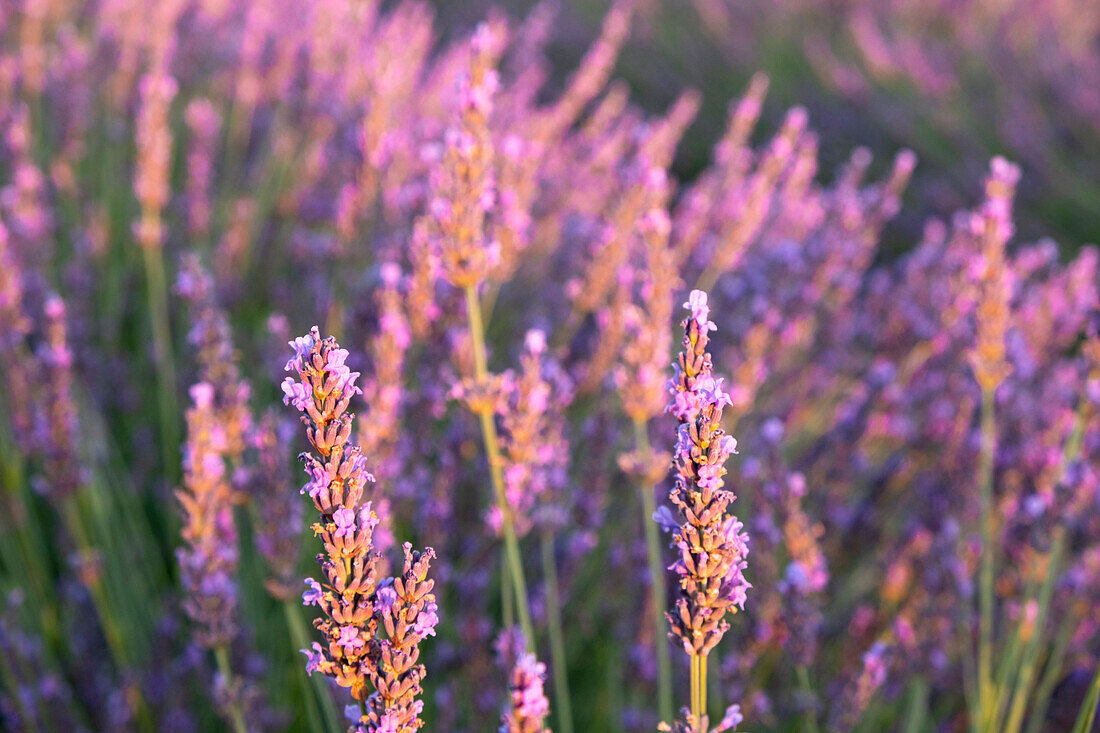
x: 492, y: 449
x: 918, y: 706
x: 557, y: 639
x: 1022, y: 689
x: 657, y: 583
x: 1088, y: 708
x: 272, y: 177
x: 809, y: 723
x: 507, y: 599
x: 23, y: 553
x: 565, y: 334
x: 708, y: 279
x: 84, y: 548
x: 702, y: 686
x: 111, y: 630
x: 985, y: 599
x: 696, y: 708
x: 1022, y: 692
x: 236, y: 716
x: 1052, y: 673
x: 615, y: 683
x: 227, y: 185
x: 327, y: 711
x: 162, y: 355
x: 489, y: 302
x: 1008, y: 669
x: 965, y: 625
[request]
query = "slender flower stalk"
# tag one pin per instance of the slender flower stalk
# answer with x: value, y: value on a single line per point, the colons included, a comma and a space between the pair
x: 372, y: 626
x: 215, y: 479
x: 650, y: 468
x: 993, y: 224
x: 556, y: 632
x: 152, y: 189
x: 642, y: 388
x: 710, y: 542
x: 804, y: 578
x: 484, y: 411
x: 464, y: 190
x: 1087, y: 715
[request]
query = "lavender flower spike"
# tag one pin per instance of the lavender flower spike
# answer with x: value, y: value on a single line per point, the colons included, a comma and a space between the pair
x: 338, y: 476
x: 529, y: 706
x: 372, y: 626
x: 408, y: 613
x: 710, y: 542
x: 993, y: 224
x: 208, y: 558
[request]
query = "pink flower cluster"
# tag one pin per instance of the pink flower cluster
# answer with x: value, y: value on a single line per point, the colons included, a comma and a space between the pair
x: 710, y: 543
x: 372, y: 625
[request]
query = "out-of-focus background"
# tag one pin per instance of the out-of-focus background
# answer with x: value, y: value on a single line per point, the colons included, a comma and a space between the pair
x: 956, y: 81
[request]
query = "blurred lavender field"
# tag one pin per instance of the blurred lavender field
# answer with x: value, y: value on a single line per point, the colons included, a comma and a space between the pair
x: 654, y: 365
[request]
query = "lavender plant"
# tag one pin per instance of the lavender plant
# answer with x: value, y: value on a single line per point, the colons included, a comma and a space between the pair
x: 372, y: 626
x: 501, y: 242
x: 710, y: 545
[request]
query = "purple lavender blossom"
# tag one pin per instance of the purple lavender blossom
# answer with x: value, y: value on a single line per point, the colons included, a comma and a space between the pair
x: 528, y: 704
x: 208, y: 560
x: 711, y: 546
x: 372, y: 625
